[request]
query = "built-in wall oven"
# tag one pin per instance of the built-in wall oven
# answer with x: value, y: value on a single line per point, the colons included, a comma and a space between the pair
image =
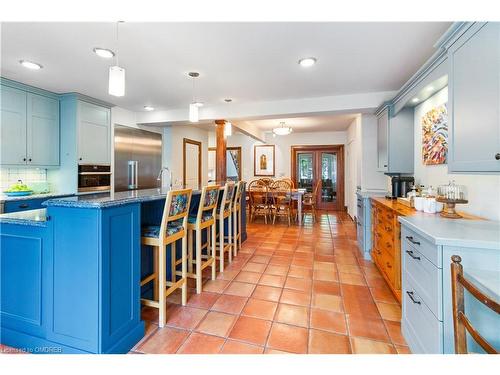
x: 94, y: 178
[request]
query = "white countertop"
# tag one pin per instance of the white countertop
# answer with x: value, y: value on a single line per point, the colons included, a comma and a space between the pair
x: 482, y: 234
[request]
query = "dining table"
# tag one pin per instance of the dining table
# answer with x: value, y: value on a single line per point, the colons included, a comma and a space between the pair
x: 295, y: 194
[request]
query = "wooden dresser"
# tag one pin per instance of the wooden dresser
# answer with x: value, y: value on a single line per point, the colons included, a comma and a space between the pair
x: 386, y: 240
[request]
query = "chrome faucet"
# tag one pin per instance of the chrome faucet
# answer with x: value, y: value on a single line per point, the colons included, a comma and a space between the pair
x: 169, y: 176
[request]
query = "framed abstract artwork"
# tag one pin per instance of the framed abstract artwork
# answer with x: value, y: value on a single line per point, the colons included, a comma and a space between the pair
x: 435, y: 136
x: 263, y: 160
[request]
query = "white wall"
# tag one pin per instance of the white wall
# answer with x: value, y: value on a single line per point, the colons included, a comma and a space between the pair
x: 282, y: 150
x: 173, y: 149
x: 483, y: 190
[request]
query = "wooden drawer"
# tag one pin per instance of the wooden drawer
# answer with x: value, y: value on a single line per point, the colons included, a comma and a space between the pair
x: 385, y: 242
x: 386, y: 262
x: 425, y: 278
x: 421, y: 329
x: 426, y: 248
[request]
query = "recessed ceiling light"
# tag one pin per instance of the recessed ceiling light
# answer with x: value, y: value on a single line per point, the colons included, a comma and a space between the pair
x: 307, y: 62
x: 149, y: 108
x: 30, y: 65
x: 415, y: 100
x: 198, y: 104
x: 228, y: 100
x: 104, y: 53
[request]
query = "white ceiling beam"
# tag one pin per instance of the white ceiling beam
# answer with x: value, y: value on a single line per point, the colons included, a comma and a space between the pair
x: 358, y: 103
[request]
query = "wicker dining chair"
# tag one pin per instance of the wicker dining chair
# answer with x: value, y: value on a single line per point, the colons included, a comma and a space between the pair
x: 281, y: 195
x: 260, y: 201
x: 309, y: 201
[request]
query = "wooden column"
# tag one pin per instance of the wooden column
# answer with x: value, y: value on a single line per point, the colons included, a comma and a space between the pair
x: 220, y: 152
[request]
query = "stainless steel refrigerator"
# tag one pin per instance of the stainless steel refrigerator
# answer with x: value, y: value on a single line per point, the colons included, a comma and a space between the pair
x: 137, y: 158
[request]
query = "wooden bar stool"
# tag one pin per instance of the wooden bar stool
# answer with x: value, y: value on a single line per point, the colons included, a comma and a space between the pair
x: 204, y: 219
x: 173, y: 227
x: 461, y: 323
x: 236, y: 212
x: 225, y: 243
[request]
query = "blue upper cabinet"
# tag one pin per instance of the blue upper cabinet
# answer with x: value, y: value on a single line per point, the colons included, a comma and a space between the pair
x: 94, y: 134
x: 42, y: 130
x: 13, y: 126
x: 395, y: 141
x: 29, y: 128
x: 474, y: 100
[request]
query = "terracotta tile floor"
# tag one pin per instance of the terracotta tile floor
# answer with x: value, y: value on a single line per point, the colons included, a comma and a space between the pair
x: 289, y: 290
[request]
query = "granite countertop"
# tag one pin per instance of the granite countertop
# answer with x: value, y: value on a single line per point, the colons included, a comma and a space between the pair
x: 30, y: 217
x: 483, y: 234
x: 5, y: 198
x: 111, y: 199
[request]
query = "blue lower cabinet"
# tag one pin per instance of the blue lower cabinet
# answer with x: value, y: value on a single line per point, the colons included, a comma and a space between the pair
x: 73, y: 286
x: 23, y: 205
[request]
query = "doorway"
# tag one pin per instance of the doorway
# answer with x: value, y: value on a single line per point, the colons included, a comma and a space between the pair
x: 191, y: 174
x: 320, y: 168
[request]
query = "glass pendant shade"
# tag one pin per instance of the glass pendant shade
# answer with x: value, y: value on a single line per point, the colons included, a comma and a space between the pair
x: 283, y: 130
x: 116, y: 81
x: 228, y: 129
x: 193, y: 112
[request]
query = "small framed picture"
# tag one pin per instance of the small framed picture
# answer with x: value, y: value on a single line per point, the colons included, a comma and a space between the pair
x: 263, y: 160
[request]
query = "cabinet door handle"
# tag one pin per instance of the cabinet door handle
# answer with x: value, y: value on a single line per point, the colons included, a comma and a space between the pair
x: 410, y: 238
x: 388, y: 244
x: 410, y: 294
x: 497, y: 156
x: 388, y: 229
x: 388, y: 265
x: 24, y: 205
x: 385, y: 165
x: 29, y: 159
x: 80, y: 159
x: 410, y: 253
x: 24, y: 159
x: 359, y: 205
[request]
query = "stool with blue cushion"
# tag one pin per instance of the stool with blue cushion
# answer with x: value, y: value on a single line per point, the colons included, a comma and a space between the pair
x: 173, y: 227
x: 203, y: 220
x: 224, y: 242
x: 236, y: 213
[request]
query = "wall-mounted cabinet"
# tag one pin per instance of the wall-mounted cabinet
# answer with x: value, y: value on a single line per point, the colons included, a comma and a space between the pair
x: 94, y: 145
x: 474, y: 100
x: 29, y: 128
x: 395, y: 141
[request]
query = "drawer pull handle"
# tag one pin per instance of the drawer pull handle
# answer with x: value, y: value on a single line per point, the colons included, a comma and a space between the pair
x: 410, y: 253
x: 359, y: 205
x: 388, y: 229
x: 410, y: 294
x: 388, y: 244
x: 388, y: 265
x: 24, y: 205
x: 410, y: 238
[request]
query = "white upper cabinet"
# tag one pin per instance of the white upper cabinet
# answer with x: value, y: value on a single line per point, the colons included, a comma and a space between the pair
x: 42, y: 130
x: 13, y: 126
x: 94, y: 134
x: 474, y: 100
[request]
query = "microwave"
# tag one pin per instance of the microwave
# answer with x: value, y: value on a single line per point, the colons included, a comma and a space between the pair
x: 93, y: 177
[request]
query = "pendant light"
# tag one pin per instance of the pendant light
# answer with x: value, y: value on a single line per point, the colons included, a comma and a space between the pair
x: 228, y: 129
x: 194, y: 106
x: 116, y: 74
x: 282, y: 129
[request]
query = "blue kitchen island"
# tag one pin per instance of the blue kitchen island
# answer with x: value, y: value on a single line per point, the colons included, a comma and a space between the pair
x: 70, y: 273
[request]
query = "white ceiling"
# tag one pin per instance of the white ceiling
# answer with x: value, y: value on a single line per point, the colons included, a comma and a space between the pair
x: 306, y: 124
x: 248, y: 62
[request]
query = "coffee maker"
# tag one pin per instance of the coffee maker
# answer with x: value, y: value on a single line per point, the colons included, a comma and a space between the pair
x: 400, y: 186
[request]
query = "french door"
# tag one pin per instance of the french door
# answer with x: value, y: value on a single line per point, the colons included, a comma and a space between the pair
x: 320, y: 169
